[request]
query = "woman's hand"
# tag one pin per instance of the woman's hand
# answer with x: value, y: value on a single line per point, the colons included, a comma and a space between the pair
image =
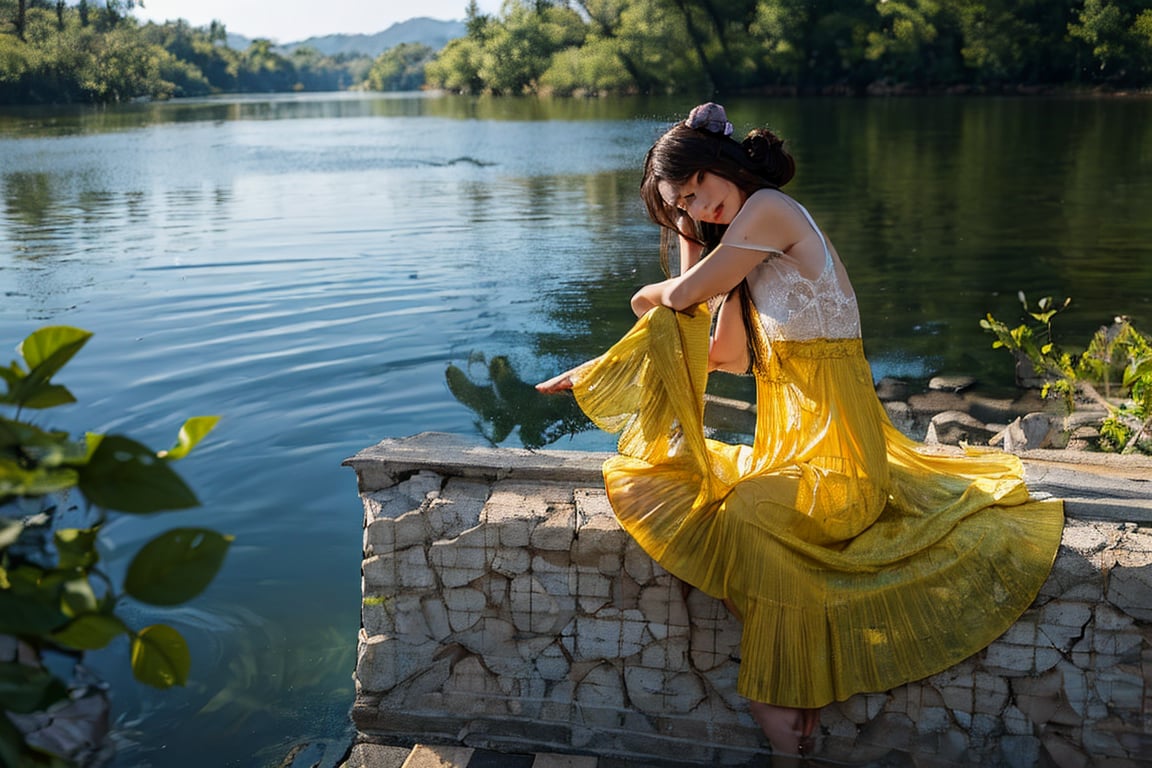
x: 564, y: 381
x: 556, y: 384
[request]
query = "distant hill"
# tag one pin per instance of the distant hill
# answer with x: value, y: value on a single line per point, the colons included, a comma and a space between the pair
x: 431, y: 32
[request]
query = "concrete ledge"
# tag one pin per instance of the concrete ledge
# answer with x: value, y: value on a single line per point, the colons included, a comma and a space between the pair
x: 1094, y: 486
x: 380, y: 466
x: 505, y: 609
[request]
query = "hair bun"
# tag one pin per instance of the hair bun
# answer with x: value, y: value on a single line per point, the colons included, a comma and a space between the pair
x: 760, y: 143
x: 765, y: 151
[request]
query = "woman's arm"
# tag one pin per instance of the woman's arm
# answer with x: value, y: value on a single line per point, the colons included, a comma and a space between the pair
x: 690, y: 252
x: 728, y: 348
x: 766, y: 220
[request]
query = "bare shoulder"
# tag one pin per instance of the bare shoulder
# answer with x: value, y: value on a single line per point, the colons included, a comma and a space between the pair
x: 768, y: 218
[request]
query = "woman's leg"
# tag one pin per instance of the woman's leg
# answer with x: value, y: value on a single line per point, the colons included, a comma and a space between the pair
x: 788, y: 729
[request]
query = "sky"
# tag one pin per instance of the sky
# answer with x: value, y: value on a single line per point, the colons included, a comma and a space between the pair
x: 288, y: 21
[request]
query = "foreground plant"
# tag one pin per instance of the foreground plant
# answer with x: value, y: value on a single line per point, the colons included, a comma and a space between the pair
x: 57, y: 493
x: 1117, y: 360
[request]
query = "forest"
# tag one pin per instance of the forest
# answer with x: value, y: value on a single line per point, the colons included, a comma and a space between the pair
x: 53, y: 51
x: 88, y: 52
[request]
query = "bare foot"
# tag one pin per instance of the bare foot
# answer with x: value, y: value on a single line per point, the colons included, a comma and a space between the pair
x: 788, y: 729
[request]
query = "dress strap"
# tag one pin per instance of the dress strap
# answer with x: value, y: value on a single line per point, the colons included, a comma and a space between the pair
x: 827, y: 251
x: 774, y: 252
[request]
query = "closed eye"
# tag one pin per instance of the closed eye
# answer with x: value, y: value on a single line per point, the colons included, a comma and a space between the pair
x: 686, y: 200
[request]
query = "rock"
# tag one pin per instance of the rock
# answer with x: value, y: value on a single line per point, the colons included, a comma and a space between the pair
x: 1083, y: 439
x: 1030, y: 432
x: 376, y: 756
x: 889, y: 389
x: 75, y: 727
x: 902, y: 417
x: 936, y: 401
x: 956, y: 427
x: 987, y: 409
x: 950, y: 383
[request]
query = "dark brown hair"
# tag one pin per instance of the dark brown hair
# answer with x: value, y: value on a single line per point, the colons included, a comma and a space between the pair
x: 758, y: 162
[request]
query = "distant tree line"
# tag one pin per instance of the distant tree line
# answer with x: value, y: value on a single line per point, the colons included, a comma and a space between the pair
x: 645, y: 46
x: 96, y: 52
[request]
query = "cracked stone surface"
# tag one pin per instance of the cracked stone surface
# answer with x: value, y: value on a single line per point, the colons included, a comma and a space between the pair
x: 504, y: 607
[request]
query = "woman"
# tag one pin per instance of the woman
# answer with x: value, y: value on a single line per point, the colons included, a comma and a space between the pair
x: 855, y: 559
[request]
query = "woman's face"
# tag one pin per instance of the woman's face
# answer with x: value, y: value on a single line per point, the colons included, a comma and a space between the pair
x: 705, y: 197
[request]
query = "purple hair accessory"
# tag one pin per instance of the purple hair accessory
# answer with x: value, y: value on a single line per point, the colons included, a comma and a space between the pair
x: 710, y: 117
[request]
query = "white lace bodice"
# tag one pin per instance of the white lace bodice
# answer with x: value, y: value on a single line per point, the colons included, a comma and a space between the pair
x: 794, y: 308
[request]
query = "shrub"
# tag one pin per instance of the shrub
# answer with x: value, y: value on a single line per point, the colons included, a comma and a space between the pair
x: 57, y: 493
x: 1117, y: 360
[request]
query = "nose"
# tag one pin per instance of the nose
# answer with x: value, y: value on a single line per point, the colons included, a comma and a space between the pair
x: 697, y: 208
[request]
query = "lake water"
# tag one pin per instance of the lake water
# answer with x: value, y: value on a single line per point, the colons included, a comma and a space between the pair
x: 308, y: 267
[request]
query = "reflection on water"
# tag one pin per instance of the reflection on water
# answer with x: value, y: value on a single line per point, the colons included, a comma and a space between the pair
x: 504, y: 403
x: 310, y: 267
x: 61, y: 121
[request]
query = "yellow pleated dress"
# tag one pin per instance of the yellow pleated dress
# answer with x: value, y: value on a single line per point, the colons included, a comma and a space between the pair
x: 857, y: 559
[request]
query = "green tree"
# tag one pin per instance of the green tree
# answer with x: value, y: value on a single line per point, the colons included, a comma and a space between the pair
x: 263, y: 69
x: 907, y: 31
x: 519, y: 48
x: 1118, y: 37
x: 991, y: 38
x: 457, y: 67
x: 597, y: 67
x: 605, y: 52
x: 474, y: 21
x: 652, y: 38
x: 819, y: 43
x: 21, y: 18
x: 400, y: 68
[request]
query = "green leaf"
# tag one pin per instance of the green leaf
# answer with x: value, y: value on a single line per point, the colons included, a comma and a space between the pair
x: 40, y: 481
x: 76, y: 547
x: 160, y: 657
x: 46, y: 448
x: 176, y: 566
x: 193, y: 431
x: 25, y: 688
x: 46, y: 351
x: 43, y: 396
x: 125, y: 475
x: 77, y: 597
x: 24, y: 613
x: 49, y: 348
x: 1137, y: 369
x: 90, y: 632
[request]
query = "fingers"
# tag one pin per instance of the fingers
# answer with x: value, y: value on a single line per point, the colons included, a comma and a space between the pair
x: 561, y: 383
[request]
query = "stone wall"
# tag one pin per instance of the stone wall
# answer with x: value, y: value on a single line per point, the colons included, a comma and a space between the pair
x: 504, y: 608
